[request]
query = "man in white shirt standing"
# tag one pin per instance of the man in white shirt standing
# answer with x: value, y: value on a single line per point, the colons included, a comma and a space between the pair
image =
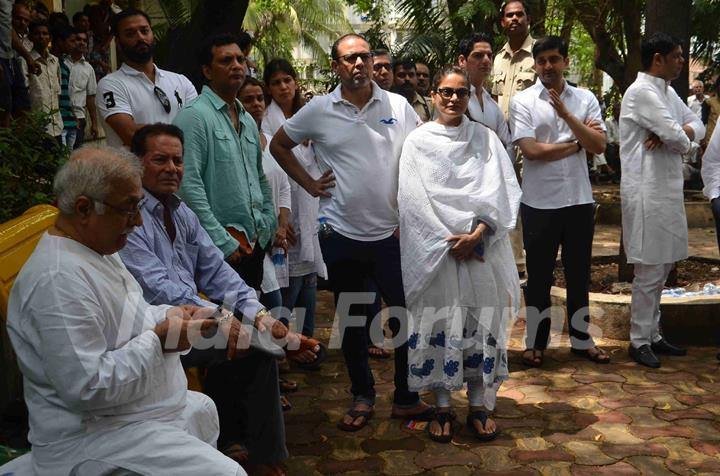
x: 698, y: 97
x: 139, y: 92
x: 82, y: 87
x: 476, y: 56
x: 554, y: 124
x: 656, y: 129
x: 357, y: 132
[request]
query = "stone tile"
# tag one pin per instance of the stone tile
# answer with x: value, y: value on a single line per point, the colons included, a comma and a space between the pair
x: 567, y: 422
x: 692, y: 389
x: 372, y: 465
x: 587, y: 453
x: 616, y: 433
x: 533, y: 394
x: 520, y: 471
x: 398, y: 462
x: 453, y: 471
x: 588, y: 404
x: 706, y: 447
x: 552, y: 454
x: 555, y: 468
x: 713, y: 408
x: 707, y: 465
x: 618, y: 469
x: 346, y: 449
x: 691, y: 413
x: 374, y: 446
x: 494, y: 458
x: 302, y: 465
x: 672, y: 377
x: 610, y: 389
x: 645, y: 449
x: 650, y: 465
x: 389, y: 429
x: 439, y: 455
x: 649, y: 388
x: 630, y: 401
x: 534, y: 443
x: 595, y: 377
x: 702, y: 429
x: 563, y: 381
x: 648, y: 432
x: 643, y: 416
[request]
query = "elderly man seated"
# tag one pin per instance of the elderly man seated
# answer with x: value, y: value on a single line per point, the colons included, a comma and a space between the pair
x: 103, y: 381
x: 172, y: 257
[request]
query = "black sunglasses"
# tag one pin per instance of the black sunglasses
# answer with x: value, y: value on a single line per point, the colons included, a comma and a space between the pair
x: 448, y: 93
x: 162, y: 97
x: 352, y: 58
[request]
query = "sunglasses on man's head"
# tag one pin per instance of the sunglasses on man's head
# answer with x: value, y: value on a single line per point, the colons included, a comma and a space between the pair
x: 162, y: 97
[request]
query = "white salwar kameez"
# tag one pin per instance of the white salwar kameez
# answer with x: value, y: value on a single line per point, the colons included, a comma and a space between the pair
x: 451, y: 177
x: 101, y: 393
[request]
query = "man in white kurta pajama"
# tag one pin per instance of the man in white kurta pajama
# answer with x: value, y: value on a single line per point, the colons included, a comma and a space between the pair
x: 103, y: 392
x: 656, y: 129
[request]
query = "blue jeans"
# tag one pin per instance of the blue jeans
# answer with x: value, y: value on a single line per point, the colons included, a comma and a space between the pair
x: 302, y: 294
x: 69, y: 134
x: 273, y: 302
x: 351, y: 264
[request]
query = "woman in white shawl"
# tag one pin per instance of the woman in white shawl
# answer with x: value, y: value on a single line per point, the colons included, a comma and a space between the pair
x: 305, y: 261
x: 458, y: 199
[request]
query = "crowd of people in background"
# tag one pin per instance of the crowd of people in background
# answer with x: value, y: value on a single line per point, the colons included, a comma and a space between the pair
x: 217, y: 211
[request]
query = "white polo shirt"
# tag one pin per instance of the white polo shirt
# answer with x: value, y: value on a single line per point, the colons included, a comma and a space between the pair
x: 362, y: 148
x: 561, y: 183
x: 129, y: 91
x: 82, y: 84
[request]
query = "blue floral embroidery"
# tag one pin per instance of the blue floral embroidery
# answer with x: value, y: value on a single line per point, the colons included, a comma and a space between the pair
x: 451, y: 367
x: 438, y: 340
x: 413, y: 340
x: 423, y: 371
x: 489, y: 365
x: 473, y: 361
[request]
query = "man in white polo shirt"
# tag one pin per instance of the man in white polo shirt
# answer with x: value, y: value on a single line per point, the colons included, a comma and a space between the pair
x: 139, y: 92
x: 554, y: 124
x: 357, y: 132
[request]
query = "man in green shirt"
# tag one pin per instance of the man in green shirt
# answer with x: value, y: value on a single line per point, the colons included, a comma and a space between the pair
x: 224, y: 182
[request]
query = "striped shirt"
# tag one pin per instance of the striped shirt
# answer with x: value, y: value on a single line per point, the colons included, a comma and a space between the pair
x: 66, y: 107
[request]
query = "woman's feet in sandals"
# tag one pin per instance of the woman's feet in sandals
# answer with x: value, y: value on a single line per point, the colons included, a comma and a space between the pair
x: 533, y: 357
x: 440, y: 428
x: 593, y: 354
x: 481, y: 425
x: 376, y: 352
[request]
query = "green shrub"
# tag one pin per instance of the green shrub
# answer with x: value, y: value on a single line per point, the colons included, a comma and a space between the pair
x: 29, y: 159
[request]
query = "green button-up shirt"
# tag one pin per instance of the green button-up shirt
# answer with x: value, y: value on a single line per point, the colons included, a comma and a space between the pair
x: 224, y: 183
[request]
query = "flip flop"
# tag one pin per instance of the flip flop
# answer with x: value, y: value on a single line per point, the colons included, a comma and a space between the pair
x: 483, y: 418
x: 442, y: 418
x: 288, y: 386
x: 236, y: 452
x: 380, y: 353
x: 531, y: 361
x: 593, y: 357
x: 352, y: 413
x: 427, y: 415
x: 307, y: 343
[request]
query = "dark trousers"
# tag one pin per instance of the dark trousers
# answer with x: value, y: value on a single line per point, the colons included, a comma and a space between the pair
x: 250, y: 268
x: 247, y: 396
x: 82, y: 124
x: 543, y: 232
x: 350, y: 265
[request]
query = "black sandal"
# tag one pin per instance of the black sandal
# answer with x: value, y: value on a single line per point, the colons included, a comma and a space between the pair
x: 355, y: 414
x: 442, y: 418
x: 481, y: 416
x: 536, y: 360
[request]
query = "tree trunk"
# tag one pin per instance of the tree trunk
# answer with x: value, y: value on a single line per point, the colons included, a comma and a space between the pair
x: 673, y: 17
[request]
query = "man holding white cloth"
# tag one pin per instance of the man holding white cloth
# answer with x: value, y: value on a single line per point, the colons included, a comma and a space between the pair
x: 656, y: 129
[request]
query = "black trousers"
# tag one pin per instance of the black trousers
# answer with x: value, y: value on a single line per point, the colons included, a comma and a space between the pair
x: 544, y: 231
x: 247, y: 396
x: 250, y: 267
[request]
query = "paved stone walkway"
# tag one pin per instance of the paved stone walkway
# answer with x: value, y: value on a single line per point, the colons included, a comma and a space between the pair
x: 570, y: 417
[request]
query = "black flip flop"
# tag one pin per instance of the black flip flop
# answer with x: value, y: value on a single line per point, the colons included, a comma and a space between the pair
x: 442, y: 418
x: 366, y: 414
x: 483, y: 417
x: 531, y: 361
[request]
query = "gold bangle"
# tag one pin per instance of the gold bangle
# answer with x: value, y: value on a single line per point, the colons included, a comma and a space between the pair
x: 261, y: 313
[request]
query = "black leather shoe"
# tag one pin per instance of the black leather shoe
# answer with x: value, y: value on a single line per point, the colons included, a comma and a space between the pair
x: 664, y: 347
x: 644, y: 356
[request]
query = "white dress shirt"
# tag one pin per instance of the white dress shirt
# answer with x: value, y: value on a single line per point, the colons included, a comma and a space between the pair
x: 711, y: 167
x: 560, y: 183
x: 651, y: 189
x: 82, y: 84
x: 490, y: 115
x: 695, y: 104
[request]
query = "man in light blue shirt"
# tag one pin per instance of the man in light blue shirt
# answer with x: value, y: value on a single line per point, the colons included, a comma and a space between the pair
x: 224, y: 182
x: 172, y: 257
